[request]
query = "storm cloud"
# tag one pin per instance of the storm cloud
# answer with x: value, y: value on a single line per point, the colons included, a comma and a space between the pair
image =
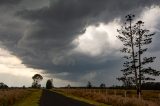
x: 9, y: 2
x: 45, y: 37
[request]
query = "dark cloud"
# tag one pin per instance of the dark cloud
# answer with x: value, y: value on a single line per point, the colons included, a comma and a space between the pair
x: 155, y: 45
x: 46, y: 37
x: 9, y: 2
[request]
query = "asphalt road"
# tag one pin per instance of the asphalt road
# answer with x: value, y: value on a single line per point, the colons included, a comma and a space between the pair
x: 50, y: 98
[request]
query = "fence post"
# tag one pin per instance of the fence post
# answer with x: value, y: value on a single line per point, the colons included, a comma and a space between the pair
x: 115, y: 92
x: 125, y: 94
x: 106, y: 92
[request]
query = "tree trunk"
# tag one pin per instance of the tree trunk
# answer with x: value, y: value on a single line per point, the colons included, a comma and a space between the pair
x: 133, y: 57
x: 139, y: 61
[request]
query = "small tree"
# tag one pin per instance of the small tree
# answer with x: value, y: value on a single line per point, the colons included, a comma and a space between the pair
x: 127, y: 81
x: 102, y: 85
x: 49, y: 84
x: 3, y: 86
x: 89, y: 85
x: 24, y: 87
x: 36, y: 79
x: 68, y: 86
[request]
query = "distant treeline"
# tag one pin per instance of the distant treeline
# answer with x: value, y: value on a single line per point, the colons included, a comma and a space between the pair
x: 151, y: 86
x: 145, y: 86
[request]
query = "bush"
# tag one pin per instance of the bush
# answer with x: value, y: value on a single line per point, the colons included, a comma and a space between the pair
x: 49, y: 84
x: 3, y: 86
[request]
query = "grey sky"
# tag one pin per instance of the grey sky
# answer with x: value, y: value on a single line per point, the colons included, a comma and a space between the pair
x: 53, y: 36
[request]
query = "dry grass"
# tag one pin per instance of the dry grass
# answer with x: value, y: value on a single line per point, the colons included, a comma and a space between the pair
x: 116, y: 97
x: 9, y: 97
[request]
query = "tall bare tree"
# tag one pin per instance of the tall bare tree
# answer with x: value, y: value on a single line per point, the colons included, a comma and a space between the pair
x: 135, y: 38
x: 142, y: 39
x: 126, y: 35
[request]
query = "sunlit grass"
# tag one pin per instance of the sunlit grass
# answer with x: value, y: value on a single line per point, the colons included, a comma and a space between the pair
x: 31, y: 100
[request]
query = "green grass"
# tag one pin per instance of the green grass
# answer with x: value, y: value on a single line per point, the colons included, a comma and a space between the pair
x: 31, y: 100
x: 81, y: 99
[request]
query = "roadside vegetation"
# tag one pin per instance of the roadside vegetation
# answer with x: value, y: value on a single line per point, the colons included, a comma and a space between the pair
x: 30, y: 100
x: 115, y: 97
x: 80, y: 98
x: 11, y: 96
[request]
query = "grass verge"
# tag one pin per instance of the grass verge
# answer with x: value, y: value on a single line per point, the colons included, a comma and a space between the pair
x: 106, y: 98
x: 31, y: 100
x: 81, y: 99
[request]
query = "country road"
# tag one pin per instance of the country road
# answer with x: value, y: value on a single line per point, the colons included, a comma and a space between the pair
x: 50, y: 98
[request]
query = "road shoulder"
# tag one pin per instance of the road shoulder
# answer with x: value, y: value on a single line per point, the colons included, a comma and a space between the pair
x: 80, y: 99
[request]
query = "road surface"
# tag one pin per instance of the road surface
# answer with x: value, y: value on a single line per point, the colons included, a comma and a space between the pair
x: 50, y: 98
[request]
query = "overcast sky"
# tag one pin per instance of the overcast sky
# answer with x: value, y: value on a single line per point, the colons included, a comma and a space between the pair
x: 71, y: 41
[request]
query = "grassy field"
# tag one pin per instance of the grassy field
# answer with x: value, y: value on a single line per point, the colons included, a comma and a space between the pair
x: 9, y: 97
x: 116, y: 97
